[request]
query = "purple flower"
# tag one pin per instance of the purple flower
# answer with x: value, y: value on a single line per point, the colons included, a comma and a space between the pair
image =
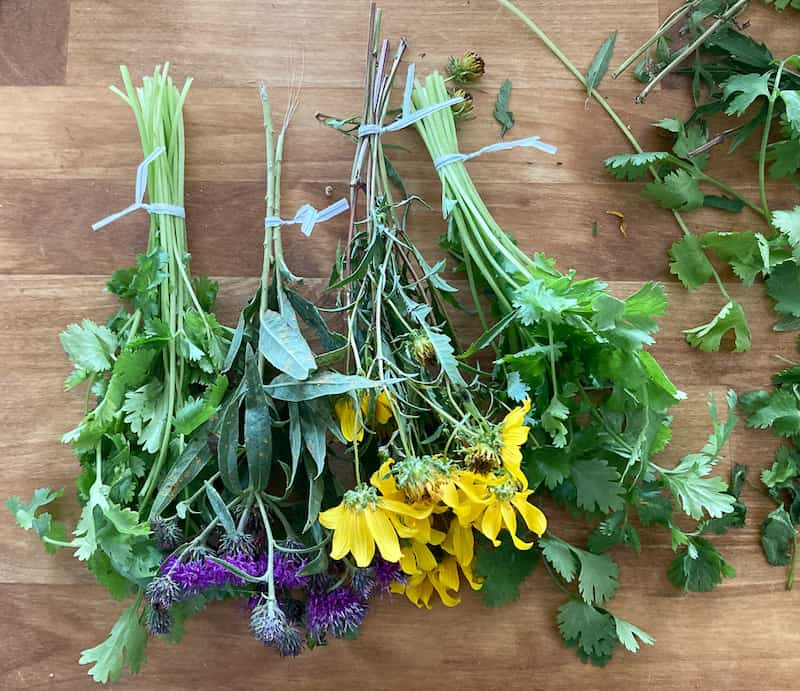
x: 157, y: 620
x: 270, y: 626
x: 339, y: 612
x: 163, y: 590
x: 200, y: 573
x: 286, y: 570
x: 387, y: 572
x: 363, y: 582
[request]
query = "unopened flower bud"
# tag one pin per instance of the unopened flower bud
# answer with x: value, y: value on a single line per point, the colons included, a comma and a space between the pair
x: 468, y: 68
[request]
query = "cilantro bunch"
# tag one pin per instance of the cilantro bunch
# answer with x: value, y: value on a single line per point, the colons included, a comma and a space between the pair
x: 154, y: 377
x: 600, y: 412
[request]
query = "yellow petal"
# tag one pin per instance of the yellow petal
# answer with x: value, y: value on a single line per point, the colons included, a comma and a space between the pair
x: 532, y: 515
x: 474, y: 583
x: 420, y: 592
x: 517, y: 415
x: 425, y: 559
x: 347, y: 420
x: 463, y: 543
x: 436, y: 537
x: 363, y: 546
x: 491, y: 523
x: 342, y: 533
x: 383, y: 408
x: 383, y: 534
x: 512, y: 462
x: 448, y: 573
x: 408, y: 562
x: 510, y: 520
x: 331, y: 517
x: 413, y: 510
x: 397, y: 587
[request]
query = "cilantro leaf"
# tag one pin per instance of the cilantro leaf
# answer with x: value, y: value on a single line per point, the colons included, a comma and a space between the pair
x: 90, y: 346
x: 708, y: 337
x: 125, y: 646
x: 598, y: 486
x: 689, y: 262
x: 516, y: 389
x: 553, y: 419
x: 536, y: 301
x: 779, y: 410
x: 42, y: 524
x: 778, y: 537
x: 146, y: 411
x: 783, y: 286
x: 597, y: 575
x: 788, y: 223
x: 678, y: 190
x: 628, y: 634
x: 501, y: 112
x: 633, y: 166
x: 592, y: 630
x: 503, y: 569
x: 699, y: 567
x: 741, y: 90
x: 785, y: 467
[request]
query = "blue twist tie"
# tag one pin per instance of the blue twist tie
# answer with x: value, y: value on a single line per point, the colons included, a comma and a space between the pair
x: 409, y: 116
x: 533, y: 142
x: 307, y: 216
x: 141, y: 185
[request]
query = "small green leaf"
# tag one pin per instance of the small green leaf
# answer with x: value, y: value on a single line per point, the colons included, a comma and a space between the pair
x: 501, y: 112
x: 600, y: 62
x: 186, y: 468
x: 220, y: 510
x: 89, y: 346
x: 708, y: 337
x: 689, y: 262
x: 634, y: 166
x: 678, y: 190
x: 742, y: 89
x: 778, y: 537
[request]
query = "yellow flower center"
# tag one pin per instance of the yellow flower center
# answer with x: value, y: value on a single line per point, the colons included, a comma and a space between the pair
x: 421, y: 478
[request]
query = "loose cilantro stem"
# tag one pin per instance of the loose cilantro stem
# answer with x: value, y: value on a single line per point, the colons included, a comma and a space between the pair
x: 693, y: 46
x: 668, y: 23
x: 269, y: 132
x: 762, y: 154
x: 609, y: 110
x: 790, y: 575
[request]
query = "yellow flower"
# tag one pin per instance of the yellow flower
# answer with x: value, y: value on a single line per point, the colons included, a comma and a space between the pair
x: 513, y: 434
x: 365, y: 520
x: 444, y: 579
x: 507, y: 500
x: 353, y: 428
x: 383, y: 407
x: 460, y: 542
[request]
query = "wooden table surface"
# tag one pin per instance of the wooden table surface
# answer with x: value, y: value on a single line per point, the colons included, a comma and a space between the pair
x: 68, y: 151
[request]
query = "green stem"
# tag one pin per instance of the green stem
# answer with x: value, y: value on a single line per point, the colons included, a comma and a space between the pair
x: 790, y: 575
x: 762, y: 154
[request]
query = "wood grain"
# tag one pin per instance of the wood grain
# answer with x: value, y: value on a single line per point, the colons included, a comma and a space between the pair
x: 68, y: 151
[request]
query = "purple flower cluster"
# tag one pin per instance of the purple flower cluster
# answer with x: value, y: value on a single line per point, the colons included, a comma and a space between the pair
x: 325, y: 611
x: 338, y: 612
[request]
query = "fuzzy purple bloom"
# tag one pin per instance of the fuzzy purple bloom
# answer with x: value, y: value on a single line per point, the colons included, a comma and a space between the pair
x: 270, y: 626
x: 157, y: 620
x: 163, y: 590
x: 199, y: 574
x: 286, y: 570
x: 338, y: 612
x: 386, y: 573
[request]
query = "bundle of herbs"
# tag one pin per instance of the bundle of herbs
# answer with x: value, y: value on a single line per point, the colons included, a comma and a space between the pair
x: 154, y: 378
x: 600, y: 401
x: 436, y: 456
